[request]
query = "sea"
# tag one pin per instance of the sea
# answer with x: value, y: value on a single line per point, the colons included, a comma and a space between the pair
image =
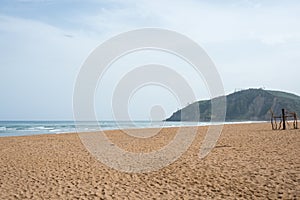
x: 21, y: 128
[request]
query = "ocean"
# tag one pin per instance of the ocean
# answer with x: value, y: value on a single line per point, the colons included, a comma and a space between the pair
x: 20, y: 128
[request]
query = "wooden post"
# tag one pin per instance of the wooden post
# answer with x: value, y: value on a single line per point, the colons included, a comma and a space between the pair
x: 283, y: 119
x: 295, y: 121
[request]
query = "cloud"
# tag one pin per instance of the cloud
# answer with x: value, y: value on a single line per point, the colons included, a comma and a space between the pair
x: 269, y: 22
x: 42, y: 49
x: 39, y: 65
x: 34, y: 1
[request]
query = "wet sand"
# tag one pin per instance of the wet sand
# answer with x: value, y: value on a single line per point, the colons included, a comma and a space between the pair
x: 250, y: 161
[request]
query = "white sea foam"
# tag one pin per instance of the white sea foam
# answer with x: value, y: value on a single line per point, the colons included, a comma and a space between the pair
x: 30, y: 128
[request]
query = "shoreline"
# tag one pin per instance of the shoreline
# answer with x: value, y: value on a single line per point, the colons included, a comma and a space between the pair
x: 249, y: 161
x: 14, y: 134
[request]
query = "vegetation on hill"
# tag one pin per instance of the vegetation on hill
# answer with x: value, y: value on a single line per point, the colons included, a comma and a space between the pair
x: 244, y: 105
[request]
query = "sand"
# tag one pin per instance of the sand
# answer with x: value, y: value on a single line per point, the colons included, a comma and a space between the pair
x: 250, y: 161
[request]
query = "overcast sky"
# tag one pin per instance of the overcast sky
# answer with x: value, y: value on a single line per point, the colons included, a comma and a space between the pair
x: 43, y: 44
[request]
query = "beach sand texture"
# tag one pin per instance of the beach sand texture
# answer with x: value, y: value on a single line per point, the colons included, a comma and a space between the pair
x: 250, y: 161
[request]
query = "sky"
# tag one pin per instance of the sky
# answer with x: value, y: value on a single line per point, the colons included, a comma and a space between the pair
x: 44, y: 43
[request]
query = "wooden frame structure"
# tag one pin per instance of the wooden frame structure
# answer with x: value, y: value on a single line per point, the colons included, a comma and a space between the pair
x: 283, y: 120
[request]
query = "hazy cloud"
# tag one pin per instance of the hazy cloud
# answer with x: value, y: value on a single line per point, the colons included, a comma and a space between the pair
x: 44, y: 43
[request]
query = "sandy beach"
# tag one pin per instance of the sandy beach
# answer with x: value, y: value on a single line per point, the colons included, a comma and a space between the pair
x: 250, y: 161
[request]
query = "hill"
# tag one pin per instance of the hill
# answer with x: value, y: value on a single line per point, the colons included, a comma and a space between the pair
x: 245, y: 105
